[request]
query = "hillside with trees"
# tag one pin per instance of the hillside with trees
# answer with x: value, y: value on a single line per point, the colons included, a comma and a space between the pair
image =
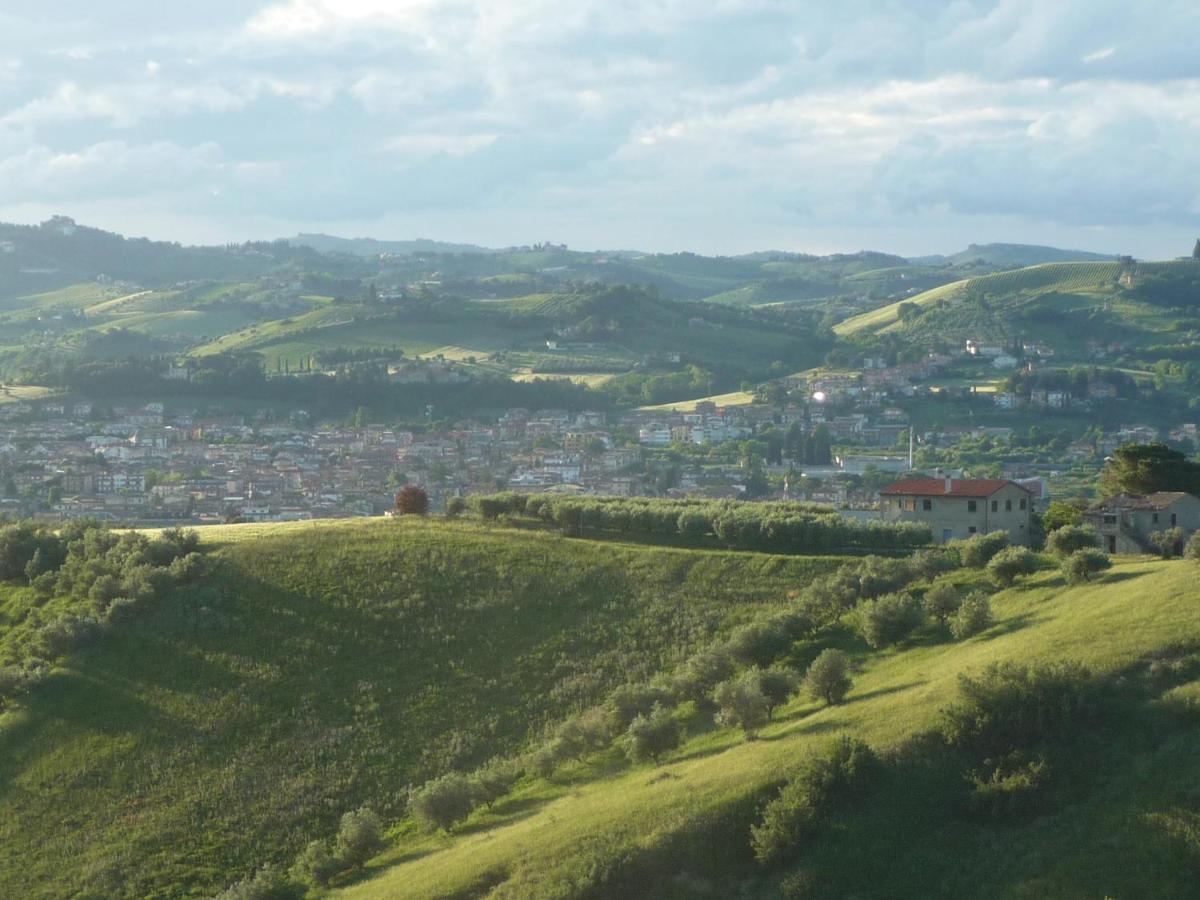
x: 428, y: 707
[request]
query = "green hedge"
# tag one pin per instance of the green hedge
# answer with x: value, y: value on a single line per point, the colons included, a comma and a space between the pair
x: 774, y: 527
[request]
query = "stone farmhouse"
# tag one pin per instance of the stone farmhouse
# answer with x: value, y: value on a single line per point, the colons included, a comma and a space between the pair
x: 1126, y: 521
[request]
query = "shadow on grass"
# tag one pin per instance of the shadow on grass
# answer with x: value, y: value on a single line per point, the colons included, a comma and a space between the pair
x: 799, y: 727
x: 506, y: 814
x: 882, y: 692
x: 1009, y: 626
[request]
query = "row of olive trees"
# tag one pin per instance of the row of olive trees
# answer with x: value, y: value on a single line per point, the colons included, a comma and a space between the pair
x: 769, y: 527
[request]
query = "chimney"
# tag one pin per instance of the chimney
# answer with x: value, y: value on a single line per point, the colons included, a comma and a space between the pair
x: 949, y: 484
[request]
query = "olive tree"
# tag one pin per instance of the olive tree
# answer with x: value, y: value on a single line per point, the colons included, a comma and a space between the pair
x: 828, y: 678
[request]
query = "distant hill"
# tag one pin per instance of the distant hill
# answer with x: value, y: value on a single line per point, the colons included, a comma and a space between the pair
x: 327, y: 243
x: 1151, y: 307
x: 1011, y: 256
x: 60, y: 252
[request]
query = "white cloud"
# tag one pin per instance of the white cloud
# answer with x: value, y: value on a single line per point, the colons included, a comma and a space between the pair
x: 848, y: 114
x: 105, y: 169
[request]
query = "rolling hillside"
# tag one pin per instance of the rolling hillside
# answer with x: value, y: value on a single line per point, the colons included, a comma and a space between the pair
x: 1126, y: 830
x: 1066, y: 304
x: 322, y: 666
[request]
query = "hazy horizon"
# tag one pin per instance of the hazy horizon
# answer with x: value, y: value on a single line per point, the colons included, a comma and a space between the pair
x: 717, y: 128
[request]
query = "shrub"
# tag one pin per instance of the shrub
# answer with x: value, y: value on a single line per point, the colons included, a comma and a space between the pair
x: 876, y: 576
x: 1168, y: 542
x: 741, y: 703
x: 1059, y: 514
x: 1070, y: 538
x: 442, y: 802
x: 777, y: 685
x: 649, y: 737
x: 931, y: 563
x: 759, y: 643
x: 702, y: 672
x: 63, y: 636
x: 1008, y: 565
x: 316, y: 864
x: 360, y: 836
x: 1081, y: 565
x: 942, y: 601
x: 492, y: 782
x: 1192, y: 550
x: 1015, y: 786
x: 455, y: 507
x: 268, y: 883
x: 846, y: 768
x: 977, y: 551
x: 1013, y: 707
x: 412, y: 501
x: 629, y: 701
x: 828, y: 677
x: 889, y: 619
x: 581, y: 735
x: 973, y: 615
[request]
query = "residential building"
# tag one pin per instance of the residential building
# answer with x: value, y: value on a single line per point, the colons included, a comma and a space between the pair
x: 959, y: 508
x: 1126, y: 521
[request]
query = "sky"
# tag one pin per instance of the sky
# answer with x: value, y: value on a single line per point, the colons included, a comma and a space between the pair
x: 717, y: 126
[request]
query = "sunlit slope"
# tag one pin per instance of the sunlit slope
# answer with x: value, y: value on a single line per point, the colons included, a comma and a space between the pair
x: 325, y: 665
x: 1063, y: 304
x: 571, y: 839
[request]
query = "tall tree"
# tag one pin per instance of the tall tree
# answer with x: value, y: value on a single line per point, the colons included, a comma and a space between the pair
x: 1196, y: 250
x: 1146, y: 468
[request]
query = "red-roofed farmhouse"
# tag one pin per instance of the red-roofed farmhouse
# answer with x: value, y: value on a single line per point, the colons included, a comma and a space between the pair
x: 960, y: 507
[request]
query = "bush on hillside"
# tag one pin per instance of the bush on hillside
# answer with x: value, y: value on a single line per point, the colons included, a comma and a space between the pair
x: 777, y: 685
x: 316, y: 865
x: 973, y: 615
x: 268, y: 883
x: 976, y: 552
x: 1066, y: 540
x: 759, y: 643
x: 845, y: 769
x: 742, y: 704
x: 455, y: 507
x: 1010, y: 564
x: 1192, y: 550
x: 442, y: 802
x: 629, y: 701
x: 828, y: 678
x: 412, y: 501
x: 582, y: 735
x: 359, y: 837
x: 1014, y: 786
x: 1168, y: 542
x: 1080, y: 566
x: 1014, y: 707
x: 1059, y: 514
x: 876, y: 576
x: 942, y: 601
x: 650, y: 736
x: 702, y: 672
x: 493, y: 781
x: 935, y: 561
x: 887, y: 620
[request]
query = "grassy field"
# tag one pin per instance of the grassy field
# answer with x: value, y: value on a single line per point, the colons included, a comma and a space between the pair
x: 325, y: 665
x: 1130, y: 834
x: 736, y: 398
